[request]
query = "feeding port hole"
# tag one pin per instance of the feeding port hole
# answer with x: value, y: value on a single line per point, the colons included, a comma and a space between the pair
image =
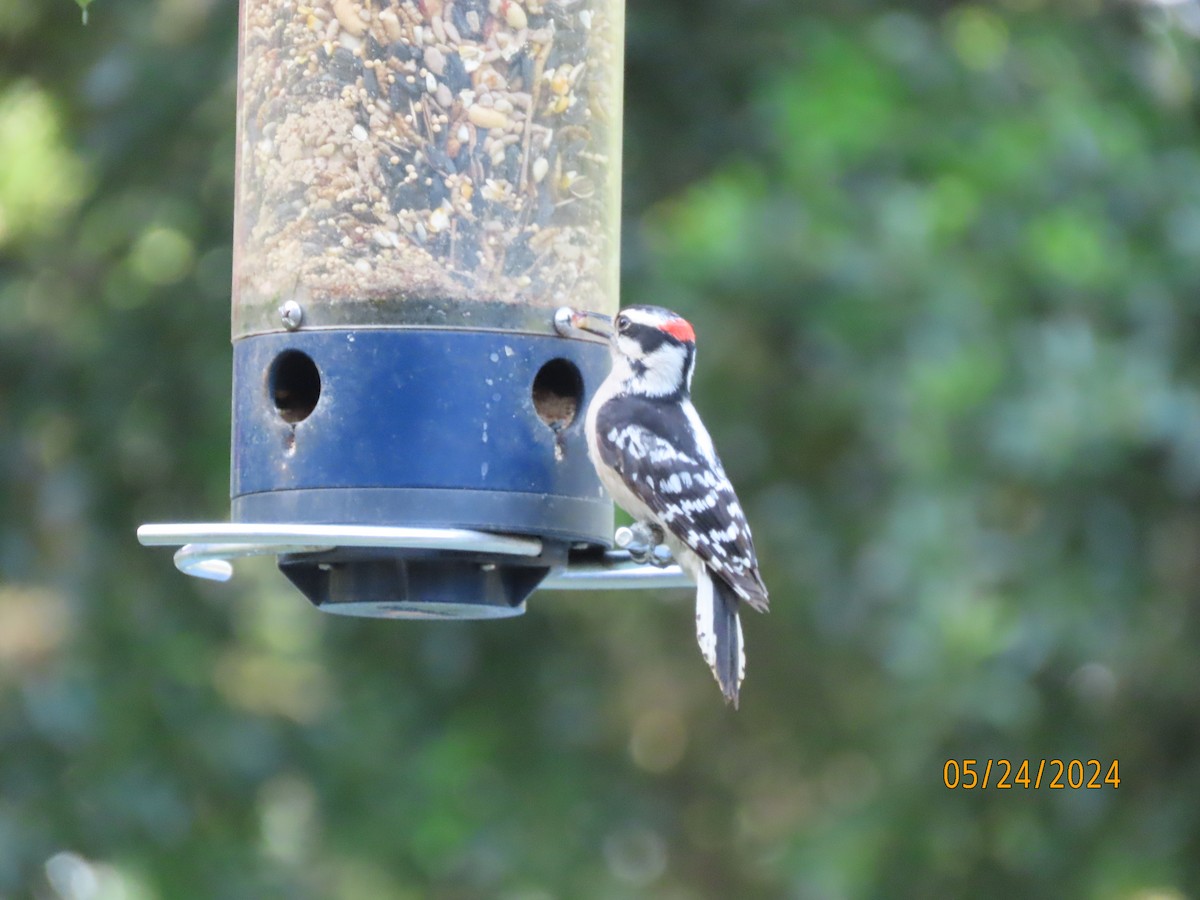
x: 294, y: 383
x: 558, y: 393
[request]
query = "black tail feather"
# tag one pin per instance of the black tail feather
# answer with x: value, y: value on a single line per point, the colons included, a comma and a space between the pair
x: 730, y: 666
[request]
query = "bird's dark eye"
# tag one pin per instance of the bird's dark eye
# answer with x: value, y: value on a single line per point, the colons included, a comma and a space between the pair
x: 622, y: 323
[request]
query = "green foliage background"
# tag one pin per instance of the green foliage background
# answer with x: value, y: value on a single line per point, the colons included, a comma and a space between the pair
x: 943, y: 260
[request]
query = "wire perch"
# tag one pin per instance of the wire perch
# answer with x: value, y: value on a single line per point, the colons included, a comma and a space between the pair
x: 207, y: 550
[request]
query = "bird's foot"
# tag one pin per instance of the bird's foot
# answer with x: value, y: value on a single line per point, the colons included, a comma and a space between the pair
x: 646, y: 544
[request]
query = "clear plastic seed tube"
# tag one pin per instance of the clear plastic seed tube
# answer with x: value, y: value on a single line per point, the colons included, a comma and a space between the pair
x: 427, y: 161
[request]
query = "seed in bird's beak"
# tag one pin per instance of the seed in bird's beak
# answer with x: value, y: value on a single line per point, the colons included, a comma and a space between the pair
x: 593, y: 322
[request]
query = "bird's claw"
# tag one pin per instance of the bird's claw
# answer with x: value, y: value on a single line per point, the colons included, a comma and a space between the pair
x: 646, y: 544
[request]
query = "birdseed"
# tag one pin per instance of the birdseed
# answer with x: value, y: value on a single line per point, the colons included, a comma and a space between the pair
x: 445, y: 152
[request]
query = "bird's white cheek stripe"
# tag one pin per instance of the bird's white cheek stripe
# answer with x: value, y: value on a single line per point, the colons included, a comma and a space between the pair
x: 663, y: 371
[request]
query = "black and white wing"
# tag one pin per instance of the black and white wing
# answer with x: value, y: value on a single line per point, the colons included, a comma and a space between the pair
x: 665, y: 458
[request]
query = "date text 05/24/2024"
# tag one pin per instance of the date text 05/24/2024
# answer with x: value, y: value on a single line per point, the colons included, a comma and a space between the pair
x: 1054, y: 774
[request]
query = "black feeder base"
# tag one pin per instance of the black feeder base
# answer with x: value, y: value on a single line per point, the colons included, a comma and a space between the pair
x: 390, y: 585
x: 432, y: 428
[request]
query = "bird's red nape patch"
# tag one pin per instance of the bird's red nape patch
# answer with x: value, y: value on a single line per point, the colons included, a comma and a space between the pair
x: 680, y: 329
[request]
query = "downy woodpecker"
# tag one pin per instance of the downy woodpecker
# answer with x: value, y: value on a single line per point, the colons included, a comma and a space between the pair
x: 656, y: 459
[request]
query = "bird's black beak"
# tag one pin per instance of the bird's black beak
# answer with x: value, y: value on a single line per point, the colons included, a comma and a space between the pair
x: 584, y: 320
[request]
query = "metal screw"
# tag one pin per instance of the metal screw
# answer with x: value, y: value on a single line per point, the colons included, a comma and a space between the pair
x: 661, y: 556
x: 291, y: 314
x: 562, y: 320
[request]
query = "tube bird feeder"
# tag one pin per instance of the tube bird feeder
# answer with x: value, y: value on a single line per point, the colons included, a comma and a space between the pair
x: 421, y: 184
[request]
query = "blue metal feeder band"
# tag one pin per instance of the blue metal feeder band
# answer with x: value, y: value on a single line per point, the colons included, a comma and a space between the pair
x: 413, y: 426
